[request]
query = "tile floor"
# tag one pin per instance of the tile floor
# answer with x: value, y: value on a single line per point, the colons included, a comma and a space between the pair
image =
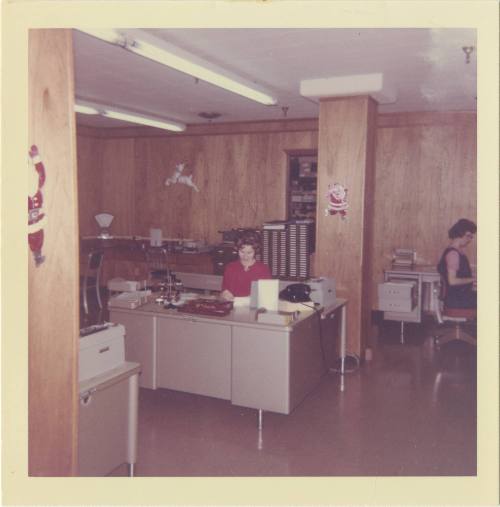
x: 410, y: 411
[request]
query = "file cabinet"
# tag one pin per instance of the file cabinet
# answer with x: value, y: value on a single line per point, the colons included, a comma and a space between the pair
x: 397, y: 296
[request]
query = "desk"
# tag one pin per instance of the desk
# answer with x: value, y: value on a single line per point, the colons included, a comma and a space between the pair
x: 425, y: 278
x: 252, y: 364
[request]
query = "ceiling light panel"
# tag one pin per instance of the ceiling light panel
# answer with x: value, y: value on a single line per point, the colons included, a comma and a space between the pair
x: 85, y: 107
x: 148, y: 46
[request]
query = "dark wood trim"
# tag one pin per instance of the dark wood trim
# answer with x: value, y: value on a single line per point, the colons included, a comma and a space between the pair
x: 302, y: 153
x: 251, y: 127
x: 424, y: 119
x: 85, y: 131
x: 384, y: 120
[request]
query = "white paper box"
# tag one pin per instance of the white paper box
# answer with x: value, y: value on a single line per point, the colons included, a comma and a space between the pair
x: 101, y: 351
x: 268, y: 294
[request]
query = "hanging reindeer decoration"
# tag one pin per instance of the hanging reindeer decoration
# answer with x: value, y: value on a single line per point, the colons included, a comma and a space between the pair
x: 178, y: 177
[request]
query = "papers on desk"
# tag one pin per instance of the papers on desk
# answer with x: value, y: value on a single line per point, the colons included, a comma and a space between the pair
x: 122, y: 285
x: 241, y: 302
x: 129, y: 300
x: 288, y: 306
x: 278, y: 318
x: 404, y: 257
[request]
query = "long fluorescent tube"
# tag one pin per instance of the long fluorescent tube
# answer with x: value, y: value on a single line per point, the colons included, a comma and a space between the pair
x: 121, y: 114
x: 110, y: 35
x: 143, y: 120
x: 80, y: 108
x: 161, y: 52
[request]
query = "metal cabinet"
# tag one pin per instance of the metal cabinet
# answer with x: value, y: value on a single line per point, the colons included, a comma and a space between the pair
x: 108, y: 417
x: 397, y: 296
x: 400, y: 297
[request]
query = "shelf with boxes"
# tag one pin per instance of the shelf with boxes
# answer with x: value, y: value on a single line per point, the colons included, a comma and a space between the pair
x: 287, y: 246
x: 126, y: 258
x: 302, y: 184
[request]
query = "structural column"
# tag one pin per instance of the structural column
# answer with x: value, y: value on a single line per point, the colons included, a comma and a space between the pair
x: 53, y: 283
x: 346, y: 152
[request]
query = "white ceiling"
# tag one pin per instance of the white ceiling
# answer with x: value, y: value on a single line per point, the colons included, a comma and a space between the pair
x: 426, y: 67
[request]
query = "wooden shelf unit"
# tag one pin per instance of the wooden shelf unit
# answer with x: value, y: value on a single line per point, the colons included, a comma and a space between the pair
x: 302, y: 184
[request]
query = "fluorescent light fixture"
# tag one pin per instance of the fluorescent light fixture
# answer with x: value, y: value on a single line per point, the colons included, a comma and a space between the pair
x: 80, y: 108
x: 107, y: 34
x: 143, y: 120
x: 162, y: 52
x: 132, y: 117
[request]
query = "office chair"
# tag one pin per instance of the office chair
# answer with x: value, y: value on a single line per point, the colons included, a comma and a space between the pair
x: 157, y: 261
x: 457, y: 316
x: 91, y: 279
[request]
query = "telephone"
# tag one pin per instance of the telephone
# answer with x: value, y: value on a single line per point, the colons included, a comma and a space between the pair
x: 296, y: 293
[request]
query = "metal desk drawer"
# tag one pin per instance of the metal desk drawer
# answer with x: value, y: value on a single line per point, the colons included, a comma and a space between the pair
x: 397, y: 296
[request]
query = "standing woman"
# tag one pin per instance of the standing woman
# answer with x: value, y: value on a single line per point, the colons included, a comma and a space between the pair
x: 239, y: 274
x: 455, y: 269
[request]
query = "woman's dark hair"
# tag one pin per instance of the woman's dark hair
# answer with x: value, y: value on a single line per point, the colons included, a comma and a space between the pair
x: 461, y: 228
x: 249, y: 239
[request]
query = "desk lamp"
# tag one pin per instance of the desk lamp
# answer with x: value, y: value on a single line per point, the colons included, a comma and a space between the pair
x: 104, y: 220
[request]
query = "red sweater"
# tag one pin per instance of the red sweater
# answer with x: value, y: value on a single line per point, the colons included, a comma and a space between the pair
x: 238, y: 281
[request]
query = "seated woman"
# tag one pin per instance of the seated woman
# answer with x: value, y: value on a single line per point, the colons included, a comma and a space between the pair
x: 454, y: 267
x: 239, y: 274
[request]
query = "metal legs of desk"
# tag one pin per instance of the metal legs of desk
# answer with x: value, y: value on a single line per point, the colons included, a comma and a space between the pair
x: 342, y: 307
x: 343, y: 344
x: 133, y: 408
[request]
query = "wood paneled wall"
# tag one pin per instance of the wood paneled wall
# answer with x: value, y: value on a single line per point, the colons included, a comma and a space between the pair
x: 241, y: 178
x: 53, y: 285
x: 90, y: 182
x: 425, y: 179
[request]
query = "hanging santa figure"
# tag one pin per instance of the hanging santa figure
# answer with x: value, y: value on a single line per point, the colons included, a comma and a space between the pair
x: 36, y: 215
x: 337, y: 200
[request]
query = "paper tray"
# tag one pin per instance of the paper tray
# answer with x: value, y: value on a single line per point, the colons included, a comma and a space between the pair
x: 129, y: 300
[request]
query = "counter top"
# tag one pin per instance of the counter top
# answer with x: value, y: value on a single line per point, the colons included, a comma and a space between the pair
x: 244, y: 316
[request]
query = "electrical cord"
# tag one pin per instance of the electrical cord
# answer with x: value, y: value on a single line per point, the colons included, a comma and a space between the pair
x: 318, y: 313
x: 349, y: 358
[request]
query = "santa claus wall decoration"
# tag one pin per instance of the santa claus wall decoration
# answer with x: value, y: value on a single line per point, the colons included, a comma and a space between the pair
x: 337, y: 200
x: 36, y: 215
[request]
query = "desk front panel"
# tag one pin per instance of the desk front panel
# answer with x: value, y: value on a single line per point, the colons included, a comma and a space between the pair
x: 261, y: 369
x: 194, y: 357
x: 140, y: 342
